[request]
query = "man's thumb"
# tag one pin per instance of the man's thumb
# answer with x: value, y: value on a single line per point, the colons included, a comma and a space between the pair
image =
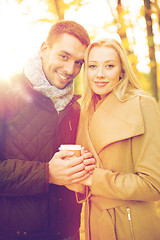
x: 65, y: 153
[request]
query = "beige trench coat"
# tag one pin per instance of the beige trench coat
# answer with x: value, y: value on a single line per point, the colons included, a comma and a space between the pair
x: 125, y: 140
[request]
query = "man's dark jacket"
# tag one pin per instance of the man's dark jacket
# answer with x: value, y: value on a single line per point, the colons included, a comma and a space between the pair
x: 31, y: 131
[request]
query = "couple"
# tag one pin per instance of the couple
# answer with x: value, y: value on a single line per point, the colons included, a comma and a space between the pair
x: 118, y: 128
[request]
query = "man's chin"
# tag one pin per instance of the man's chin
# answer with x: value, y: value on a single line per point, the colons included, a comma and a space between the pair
x: 65, y: 84
x: 60, y: 83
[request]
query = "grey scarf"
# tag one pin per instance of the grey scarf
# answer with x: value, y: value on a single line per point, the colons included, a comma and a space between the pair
x: 34, y: 72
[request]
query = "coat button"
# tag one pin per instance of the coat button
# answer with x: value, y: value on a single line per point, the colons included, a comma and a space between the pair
x: 18, y: 233
x: 25, y: 233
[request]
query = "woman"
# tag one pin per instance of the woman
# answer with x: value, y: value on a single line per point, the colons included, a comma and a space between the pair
x: 120, y: 125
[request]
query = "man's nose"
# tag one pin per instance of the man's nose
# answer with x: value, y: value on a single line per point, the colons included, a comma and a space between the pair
x: 70, y: 67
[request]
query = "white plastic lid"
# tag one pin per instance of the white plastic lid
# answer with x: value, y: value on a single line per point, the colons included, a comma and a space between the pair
x: 70, y: 147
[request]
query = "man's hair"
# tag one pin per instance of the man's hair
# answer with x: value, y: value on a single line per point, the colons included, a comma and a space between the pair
x: 69, y: 27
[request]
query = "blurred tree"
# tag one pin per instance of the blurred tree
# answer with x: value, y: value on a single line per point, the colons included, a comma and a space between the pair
x: 59, y: 7
x: 151, y: 46
x: 157, y: 8
x: 59, y: 12
x: 119, y: 21
x: 121, y: 25
x: 121, y: 30
x: 157, y: 11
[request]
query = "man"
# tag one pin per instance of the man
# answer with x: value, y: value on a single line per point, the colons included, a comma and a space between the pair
x: 38, y: 113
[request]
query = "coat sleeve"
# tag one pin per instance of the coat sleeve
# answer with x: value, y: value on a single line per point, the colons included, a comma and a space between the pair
x: 144, y: 183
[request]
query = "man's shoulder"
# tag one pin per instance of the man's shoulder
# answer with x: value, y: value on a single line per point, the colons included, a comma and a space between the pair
x: 74, y: 106
x: 75, y: 101
x: 76, y: 98
x: 13, y: 80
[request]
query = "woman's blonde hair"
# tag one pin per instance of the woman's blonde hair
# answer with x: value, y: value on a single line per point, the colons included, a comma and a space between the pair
x: 127, y: 87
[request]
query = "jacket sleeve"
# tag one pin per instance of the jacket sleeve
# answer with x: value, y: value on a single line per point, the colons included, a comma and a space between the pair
x: 21, y: 178
x: 18, y: 177
x: 144, y: 183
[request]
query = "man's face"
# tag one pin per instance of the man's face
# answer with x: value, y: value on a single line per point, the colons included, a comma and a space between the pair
x: 63, y: 61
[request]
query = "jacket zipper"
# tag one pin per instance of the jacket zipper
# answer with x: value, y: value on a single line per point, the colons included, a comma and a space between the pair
x: 130, y: 222
x: 70, y: 125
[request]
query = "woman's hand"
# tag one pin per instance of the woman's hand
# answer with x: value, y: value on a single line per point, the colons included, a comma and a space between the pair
x: 87, y: 181
x: 76, y: 187
x: 88, y: 161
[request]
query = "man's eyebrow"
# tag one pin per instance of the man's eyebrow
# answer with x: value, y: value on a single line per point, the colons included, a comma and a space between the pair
x: 80, y: 60
x: 67, y: 53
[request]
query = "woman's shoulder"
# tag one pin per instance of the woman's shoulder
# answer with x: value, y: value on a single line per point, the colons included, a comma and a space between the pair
x: 150, y: 109
x: 144, y: 100
x: 149, y: 102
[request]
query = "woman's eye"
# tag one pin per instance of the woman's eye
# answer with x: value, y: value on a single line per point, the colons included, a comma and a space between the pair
x: 109, y: 66
x: 92, y: 66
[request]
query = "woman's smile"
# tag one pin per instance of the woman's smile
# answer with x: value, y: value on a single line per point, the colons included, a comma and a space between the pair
x: 100, y: 83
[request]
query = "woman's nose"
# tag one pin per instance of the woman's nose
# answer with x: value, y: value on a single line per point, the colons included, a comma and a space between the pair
x: 100, y: 73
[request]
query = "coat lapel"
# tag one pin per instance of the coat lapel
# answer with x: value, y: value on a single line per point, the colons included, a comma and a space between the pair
x: 113, y: 121
x: 83, y: 137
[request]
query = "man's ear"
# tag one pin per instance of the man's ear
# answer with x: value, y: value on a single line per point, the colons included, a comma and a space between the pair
x: 43, y: 49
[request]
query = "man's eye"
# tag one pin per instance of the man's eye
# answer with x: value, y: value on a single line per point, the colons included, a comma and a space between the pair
x: 64, y: 57
x: 79, y: 63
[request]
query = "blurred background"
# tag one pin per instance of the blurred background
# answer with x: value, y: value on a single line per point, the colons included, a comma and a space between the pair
x: 24, y: 24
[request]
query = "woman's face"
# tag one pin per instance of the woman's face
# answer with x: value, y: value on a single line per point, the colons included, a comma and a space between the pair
x: 104, y: 70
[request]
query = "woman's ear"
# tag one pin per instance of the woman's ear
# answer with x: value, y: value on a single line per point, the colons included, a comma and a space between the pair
x: 120, y: 77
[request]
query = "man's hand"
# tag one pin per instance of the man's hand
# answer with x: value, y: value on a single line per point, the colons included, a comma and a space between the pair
x: 65, y: 168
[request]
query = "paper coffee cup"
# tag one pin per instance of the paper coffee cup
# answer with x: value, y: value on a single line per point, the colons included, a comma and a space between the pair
x: 72, y: 147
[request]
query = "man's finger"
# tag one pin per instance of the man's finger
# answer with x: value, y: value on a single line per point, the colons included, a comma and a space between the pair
x: 77, y: 168
x: 79, y: 177
x: 89, y: 168
x: 75, y: 161
x: 63, y: 154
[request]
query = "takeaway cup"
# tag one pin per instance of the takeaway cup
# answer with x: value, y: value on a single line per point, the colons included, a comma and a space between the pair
x: 72, y: 147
